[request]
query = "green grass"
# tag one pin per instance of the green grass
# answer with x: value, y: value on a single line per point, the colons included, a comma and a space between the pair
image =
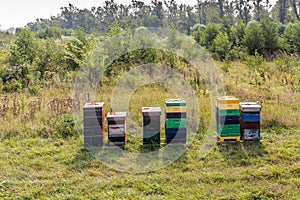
x: 38, y: 163
x: 38, y: 168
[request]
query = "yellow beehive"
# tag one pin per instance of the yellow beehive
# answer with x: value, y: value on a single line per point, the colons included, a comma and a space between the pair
x: 228, y: 103
x: 176, y: 109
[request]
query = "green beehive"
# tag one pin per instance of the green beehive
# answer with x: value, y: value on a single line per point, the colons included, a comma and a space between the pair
x: 227, y: 116
x: 176, y: 123
x: 229, y: 130
x: 229, y: 112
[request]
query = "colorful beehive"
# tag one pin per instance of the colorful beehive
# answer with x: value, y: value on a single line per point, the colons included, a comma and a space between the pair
x: 117, y: 128
x: 250, y: 120
x: 93, y: 118
x: 175, y: 125
x: 228, y: 118
x: 151, y: 125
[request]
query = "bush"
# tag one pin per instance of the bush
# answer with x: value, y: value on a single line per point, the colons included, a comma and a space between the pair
x: 66, y: 127
x: 222, y: 45
x: 254, y: 38
x: 24, y: 49
x: 292, y: 37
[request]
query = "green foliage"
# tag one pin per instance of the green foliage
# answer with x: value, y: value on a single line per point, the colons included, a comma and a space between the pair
x: 211, y: 32
x: 114, y: 29
x: 50, y: 32
x: 270, y: 34
x: 50, y: 57
x: 254, y: 38
x: 199, y: 35
x: 15, y: 77
x: 287, y: 64
x: 292, y: 37
x: 65, y: 128
x: 24, y: 49
x: 77, y: 49
x: 237, y: 33
x: 221, y: 45
x: 254, y: 62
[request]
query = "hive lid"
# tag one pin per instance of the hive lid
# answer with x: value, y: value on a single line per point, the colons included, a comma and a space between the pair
x: 94, y: 105
x: 151, y: 110
x: 116, y: 114
x: 250, y: 106
x: 175, y: 102
x: 228, y: 99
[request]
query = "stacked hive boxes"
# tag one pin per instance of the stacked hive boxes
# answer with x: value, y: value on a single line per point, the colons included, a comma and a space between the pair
x: 93, y: 114
x: 151, y: 125
x: 175, y: 126
x: 250, y: 120
x: 117, y: 128
x: 228, y: 118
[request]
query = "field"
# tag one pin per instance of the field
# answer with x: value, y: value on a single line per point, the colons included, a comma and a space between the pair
x: 44, y: 158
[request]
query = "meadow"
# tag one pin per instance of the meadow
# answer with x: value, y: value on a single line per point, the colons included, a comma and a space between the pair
x: 43, y: 157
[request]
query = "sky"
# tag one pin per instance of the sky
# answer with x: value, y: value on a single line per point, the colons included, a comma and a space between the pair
x: 17, y: 13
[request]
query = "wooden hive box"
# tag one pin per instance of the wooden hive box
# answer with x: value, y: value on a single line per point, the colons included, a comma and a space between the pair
x: 250, y: 120
x: 93, y: 118
x: 117, y: 132
x: 151, y: 125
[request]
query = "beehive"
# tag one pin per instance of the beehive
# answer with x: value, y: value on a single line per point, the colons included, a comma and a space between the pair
x: 176, y: 123
x: 93, y: 118
x: 117, y: 128
x: 228, y: 116
x: 151, y: 125
x: 250, y: 120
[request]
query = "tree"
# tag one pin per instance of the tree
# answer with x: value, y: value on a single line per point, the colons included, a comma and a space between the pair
x: 254, y: 38
x: 296, y: 8
x: 221, y: 45
x: 270, y: 34
x: 237, y: 33
x: 202, y: 10
x: 221, y: 8
x: 292, y: 37
x: 229, y: 10
x: 172, y: 9
x: 24, y: 49
x: 244, y: 8
x: 158, y: 10
x: 211, y: 32
x: 68, y: 15
x: 198, y: 33
x: 261, y: 8
x: 283, y: 6
x: 78, y: 49
x: 50, y: 32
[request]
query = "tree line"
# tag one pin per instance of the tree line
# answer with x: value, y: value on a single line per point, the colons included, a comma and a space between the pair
x: 169, y: 13
x: 58, y: 46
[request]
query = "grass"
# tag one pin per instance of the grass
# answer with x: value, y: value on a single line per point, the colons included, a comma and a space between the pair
x: 38, y: 168
x: 35, y: 165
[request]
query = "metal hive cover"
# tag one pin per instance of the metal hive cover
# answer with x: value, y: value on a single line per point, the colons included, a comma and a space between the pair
x: 94, y: 105
x: 250, y: 106
x: 151, y: 110
x: 116, y: 114
x: 175, y: 102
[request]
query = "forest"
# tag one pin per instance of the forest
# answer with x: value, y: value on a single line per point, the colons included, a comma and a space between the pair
x: 255, y: 48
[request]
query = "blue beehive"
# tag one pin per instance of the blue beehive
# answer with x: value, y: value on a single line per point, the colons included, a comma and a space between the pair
x: 250, y: 120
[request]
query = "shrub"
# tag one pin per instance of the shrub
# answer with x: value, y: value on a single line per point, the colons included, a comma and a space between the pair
x: 66, y: 127
x: 24, y: 49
